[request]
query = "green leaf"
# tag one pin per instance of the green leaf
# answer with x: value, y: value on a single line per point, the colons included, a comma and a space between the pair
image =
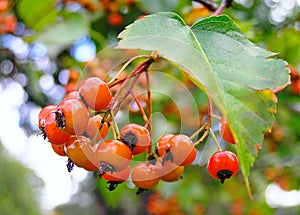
x: 236, y: 75
x: 62, y: 34
x: 37, y: 14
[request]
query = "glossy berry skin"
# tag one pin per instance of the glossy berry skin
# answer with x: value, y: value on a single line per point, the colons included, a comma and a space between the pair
x: 72, y: 95
x: 223, y: 165
x: 179, y: 149
x: 59, y: 149
x: 136, y: 137
x: 120, y: 176
x: 170, y: 172
x: 225, y: 131
x: 113, y: 155
x: 163, y: 145
x: 145, y: 175
x: 96, y: 93
x: 72, y: 116
x: 115, y: 178
x: 53, y: 133
x: 93, y: 126
x: 79, y: 150
x: 43, y: 113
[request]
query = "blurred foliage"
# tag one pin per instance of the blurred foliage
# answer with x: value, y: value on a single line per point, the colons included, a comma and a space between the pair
x: 51, y: 37
x: 19, y: 187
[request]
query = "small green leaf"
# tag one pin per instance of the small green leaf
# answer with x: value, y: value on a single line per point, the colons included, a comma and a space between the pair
x: 62, y: 34
x: 236, y: 75
x: 37, y: 14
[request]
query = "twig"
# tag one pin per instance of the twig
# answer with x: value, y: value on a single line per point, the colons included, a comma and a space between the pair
x: 224, y: 4
x: 209, y: 5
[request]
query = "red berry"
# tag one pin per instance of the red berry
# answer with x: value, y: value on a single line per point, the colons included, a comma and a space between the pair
x: 163, y: 145
x: 170, y: 172
x: 113, y: 155
x: 72, y: 95
x: 115, y: 19
x: 115, y: 178
x: 179, y: 149
x: 225, y: 131
x: 222, y: 165
x: 53, y: 133
x: 96, y: 93
x: 93, y: 126
x: 43, y: 113
x: 136, y: 137
x: 59, y: 149
x: 145, y: 175
x: 72, y: 116
x: 80, y: 151
x: 4, y: 5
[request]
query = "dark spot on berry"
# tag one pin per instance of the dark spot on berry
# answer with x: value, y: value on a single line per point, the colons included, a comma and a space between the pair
x: 60, y: 119
x: 104, y: 168
x: 152, y: 159
x: 83, y: 101
x: 129, y: 139
x: 224, y: 174
x: 167, y: 157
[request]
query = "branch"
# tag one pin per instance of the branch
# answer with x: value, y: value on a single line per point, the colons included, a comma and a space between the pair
x: 224, y: 4
x: 213, y: 7
x: 209, y: 5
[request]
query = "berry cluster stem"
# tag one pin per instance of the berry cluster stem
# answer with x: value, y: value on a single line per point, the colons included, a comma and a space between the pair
x: 206, y: 126
x: 145, y: 118
x: 116, y: 80
x: 215, y: 139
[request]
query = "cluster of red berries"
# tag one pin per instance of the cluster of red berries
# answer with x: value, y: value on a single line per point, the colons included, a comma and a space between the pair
x: 77, y: 128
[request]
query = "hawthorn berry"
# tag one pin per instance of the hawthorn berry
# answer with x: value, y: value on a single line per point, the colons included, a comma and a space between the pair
x: 4, y: 5
x: 179, y: 149
x: 115, y: 19
x: 115, y: 178
x: 95, y: 93
x: 93, y: 127
x: 72, y: 116
x: 225, y: 131
x: 136, y: 137
x: 72, y: 95
x: 59, y: 149
x: 80, y: 151
x: 223, y: 165
x: 43, y: 113
x: 163, y: 145
x: 53, y: 133
x: 145, y: 175
x: 170, y: 172
x: 113, y: 155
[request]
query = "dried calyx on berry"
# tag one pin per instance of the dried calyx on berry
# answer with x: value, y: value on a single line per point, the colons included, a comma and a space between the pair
x: 223, y: 165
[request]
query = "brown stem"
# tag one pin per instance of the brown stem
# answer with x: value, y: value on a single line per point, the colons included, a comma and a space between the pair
x: 118, y: 106
x: 209, y: 5
x: 149, y: 112
x: 224, y: 4
x: 207, y: 127
x: 139, y: 69
x: 141, y: 109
